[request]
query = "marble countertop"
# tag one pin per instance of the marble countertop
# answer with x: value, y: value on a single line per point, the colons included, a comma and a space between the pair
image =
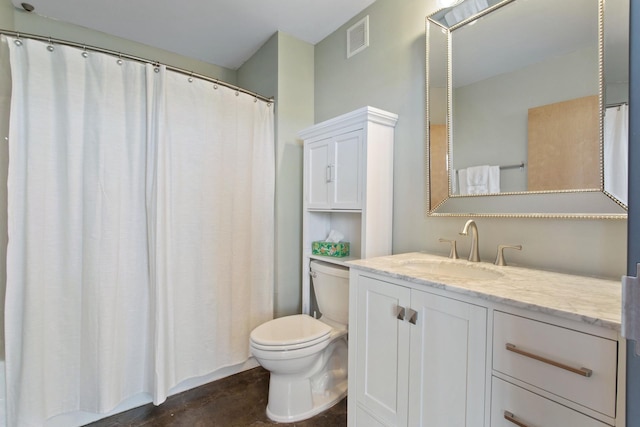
x: 585, y: 299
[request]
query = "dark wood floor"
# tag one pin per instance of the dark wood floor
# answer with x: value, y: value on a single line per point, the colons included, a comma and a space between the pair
x: 236, y: 401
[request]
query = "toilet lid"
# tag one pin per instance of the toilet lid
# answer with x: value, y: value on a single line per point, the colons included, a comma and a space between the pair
x: 290, y: 330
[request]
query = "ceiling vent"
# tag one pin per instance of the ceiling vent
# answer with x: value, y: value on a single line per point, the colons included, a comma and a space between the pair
x: 358, y: 37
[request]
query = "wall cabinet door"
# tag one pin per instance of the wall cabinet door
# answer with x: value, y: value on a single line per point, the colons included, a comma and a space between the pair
x: 334, y: 168
x: 383, y: 351
x: 447, y: 362
x: 317, y: 170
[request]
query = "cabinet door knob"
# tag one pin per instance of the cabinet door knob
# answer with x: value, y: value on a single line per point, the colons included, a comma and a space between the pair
x: 400, y: 311
x: 412, y: 316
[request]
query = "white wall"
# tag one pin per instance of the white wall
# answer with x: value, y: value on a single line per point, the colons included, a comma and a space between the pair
x: 390, y: 75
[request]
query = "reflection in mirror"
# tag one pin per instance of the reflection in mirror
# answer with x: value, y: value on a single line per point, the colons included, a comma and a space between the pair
x: 523, y: 110
x: 437, y: 107
x: 616, y: 90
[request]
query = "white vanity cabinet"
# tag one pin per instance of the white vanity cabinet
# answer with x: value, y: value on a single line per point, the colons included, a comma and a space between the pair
x: 410, y: 353
x: 525, y: 348
x: 348, y: 186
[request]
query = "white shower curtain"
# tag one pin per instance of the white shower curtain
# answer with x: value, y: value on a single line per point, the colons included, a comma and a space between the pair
x: 140, y: 230
x: 203, y: 139
x: 616, y: 149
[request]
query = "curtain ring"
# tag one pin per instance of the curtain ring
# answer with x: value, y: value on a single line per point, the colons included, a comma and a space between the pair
x: 237, y: 93
x: 215, y: 85
x: 85, y: 54
x: 50, y: 48
x: 119, y: 61
x: 190, y: 77
x: 156, y: 67
x: 18, y: 41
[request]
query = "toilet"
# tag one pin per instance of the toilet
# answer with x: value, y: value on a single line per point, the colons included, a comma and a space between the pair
x: 307, y: 357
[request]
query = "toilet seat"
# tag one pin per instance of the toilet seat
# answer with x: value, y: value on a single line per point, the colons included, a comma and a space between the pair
x: 290, y: 333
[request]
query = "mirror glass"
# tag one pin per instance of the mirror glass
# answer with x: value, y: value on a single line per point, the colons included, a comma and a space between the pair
x: 517, y: 96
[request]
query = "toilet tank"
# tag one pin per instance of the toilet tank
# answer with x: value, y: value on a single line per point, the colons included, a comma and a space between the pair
x: 331, y: 286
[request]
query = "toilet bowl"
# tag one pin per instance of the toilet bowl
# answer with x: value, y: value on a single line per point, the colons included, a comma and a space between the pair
x: 307, y: 357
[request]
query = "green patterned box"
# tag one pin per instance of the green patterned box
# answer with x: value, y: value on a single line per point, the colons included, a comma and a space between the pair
x: 340, y: 249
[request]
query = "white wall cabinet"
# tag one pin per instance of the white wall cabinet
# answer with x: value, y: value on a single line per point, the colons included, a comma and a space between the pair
x: 425, y: 356
x: 348, y: 186
x: 412, y: 365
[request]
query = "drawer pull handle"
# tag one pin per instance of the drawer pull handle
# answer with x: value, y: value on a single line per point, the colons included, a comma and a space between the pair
x: 400, y: 313
x: 512, y: 419
x: 580, y: 371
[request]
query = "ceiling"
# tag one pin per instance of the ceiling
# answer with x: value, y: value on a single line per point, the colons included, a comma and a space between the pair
x: 220, y: 32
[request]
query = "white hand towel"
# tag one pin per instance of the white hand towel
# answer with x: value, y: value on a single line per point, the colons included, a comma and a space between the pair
x: 462, y: 181
x: 478, y: 179
x: 494, y: 179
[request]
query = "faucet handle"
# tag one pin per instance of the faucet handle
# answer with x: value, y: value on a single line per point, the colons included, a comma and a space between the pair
x: 453, y: 254
x: 500, y: 256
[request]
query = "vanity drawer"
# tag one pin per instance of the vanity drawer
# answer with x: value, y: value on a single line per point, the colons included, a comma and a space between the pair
x: 513, y: 406
x: 576, y: 366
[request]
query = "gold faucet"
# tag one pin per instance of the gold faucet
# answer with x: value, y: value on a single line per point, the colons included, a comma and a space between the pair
x: 474, y: 253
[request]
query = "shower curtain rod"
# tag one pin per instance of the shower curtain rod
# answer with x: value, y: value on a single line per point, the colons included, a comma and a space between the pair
x: 134, y: 58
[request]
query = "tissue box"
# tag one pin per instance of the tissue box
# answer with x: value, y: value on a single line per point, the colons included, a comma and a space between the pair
x: 339, y: 249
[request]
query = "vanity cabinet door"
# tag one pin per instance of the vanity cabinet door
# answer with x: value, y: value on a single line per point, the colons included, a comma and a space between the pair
x: 447, y: 362
x: 382, y: 367
x: 334, y: 172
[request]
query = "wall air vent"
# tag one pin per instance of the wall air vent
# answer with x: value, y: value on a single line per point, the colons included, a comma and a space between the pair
x: 358, y: 37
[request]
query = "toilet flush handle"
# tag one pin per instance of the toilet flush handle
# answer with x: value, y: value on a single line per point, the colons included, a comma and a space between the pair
x: 312, y: 274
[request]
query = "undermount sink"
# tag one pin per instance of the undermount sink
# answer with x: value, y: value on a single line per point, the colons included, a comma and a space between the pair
x: 459, y: 270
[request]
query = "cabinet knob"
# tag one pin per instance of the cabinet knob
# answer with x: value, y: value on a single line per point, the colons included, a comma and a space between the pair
x: 412, y: 316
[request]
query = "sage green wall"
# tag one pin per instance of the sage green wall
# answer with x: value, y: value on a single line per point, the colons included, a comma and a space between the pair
x: 13, y: 19
x: 295, y: 112
x: 390, y: 75
x: 284, y: 67
x: 6, y: 14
